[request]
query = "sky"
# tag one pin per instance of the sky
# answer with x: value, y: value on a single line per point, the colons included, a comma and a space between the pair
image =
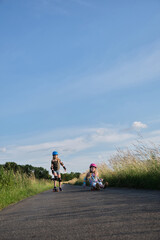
x: 81, y: 77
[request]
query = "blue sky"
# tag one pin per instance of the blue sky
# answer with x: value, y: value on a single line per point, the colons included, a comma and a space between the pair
x: 78, y: 76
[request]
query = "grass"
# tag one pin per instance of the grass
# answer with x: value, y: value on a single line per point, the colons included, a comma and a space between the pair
x: 15, y: 187
x: 138, y: 167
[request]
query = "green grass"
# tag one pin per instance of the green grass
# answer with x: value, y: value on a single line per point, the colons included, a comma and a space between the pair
x: 138, y: 167
x: 15, y: 187
x: 134, y: 178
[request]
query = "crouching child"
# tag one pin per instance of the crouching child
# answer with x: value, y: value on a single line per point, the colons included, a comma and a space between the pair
x: 92, y: 176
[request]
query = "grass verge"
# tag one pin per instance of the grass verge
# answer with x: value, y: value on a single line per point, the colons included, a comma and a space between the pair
x: 15, y: 187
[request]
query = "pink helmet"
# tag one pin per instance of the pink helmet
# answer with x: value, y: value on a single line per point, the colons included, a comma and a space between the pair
x: 93, y: 165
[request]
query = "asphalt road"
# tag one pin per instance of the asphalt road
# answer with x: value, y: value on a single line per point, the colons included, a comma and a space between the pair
x: 75, y: 213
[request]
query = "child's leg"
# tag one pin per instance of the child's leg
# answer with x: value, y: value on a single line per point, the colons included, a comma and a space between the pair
x: 55, y: 178
x: 59, y: 177
x: 96, y: 185
x: 101, y: 185
x: 106, y: 184
x: 93, y: 184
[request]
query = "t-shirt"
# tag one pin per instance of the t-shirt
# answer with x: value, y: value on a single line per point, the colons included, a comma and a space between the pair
x: 55, y: 163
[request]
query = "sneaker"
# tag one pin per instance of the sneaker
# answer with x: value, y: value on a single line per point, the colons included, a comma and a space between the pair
x: 60, y: 189
x: 106, y: 184
x: 54, y: 189
x: 97, y: 186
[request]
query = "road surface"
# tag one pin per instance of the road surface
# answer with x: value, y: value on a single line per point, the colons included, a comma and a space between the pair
x: 77, y: 214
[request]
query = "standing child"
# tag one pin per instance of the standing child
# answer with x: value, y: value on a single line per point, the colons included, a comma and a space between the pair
x: 95, y: 182
x: 55, y: 167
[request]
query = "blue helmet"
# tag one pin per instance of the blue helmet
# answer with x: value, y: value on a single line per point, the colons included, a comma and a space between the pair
x: 54, y: 153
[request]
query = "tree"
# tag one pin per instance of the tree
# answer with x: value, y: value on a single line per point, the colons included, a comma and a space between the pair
x: 11, y: 166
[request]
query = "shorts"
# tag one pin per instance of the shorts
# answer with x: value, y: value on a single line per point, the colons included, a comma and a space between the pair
x: 57, y: 172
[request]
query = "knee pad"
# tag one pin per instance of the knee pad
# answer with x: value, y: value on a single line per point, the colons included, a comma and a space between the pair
x: 55, y: 178
x: 59, y: 179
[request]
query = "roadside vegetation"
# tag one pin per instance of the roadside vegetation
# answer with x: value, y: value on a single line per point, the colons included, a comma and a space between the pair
x: 138, y: 167
x: 15, y: 186
x: 29, y: 170
x: 21, y: 181
x: 69, y: 176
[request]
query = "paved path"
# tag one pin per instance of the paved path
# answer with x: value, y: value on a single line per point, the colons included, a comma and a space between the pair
x: 112, y: 214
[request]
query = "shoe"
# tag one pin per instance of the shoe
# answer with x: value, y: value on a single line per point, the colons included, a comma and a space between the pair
x: 60, y: 189
x: 55, y: 189
x: 97, y: 186
x: 106, y: 184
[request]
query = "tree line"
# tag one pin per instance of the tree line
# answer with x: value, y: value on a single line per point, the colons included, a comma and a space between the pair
x: 29, y: 170
x: 38, y: 172
x: 69, y: 176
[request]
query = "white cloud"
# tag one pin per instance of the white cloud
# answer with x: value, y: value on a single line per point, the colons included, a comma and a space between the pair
x: 3, y: 149
x: 77, y: 151
x: 88, y: 140
x: 139, y: 125
x: 82, y: 161
x: 68, y: 146
x: 109, y: 136
x: 153, y: 137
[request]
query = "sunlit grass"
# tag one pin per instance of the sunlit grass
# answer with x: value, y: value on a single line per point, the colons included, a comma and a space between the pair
x: 15, y: 187
x: 138, y: 167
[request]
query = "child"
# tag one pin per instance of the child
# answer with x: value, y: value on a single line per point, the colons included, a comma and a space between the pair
x: 93, y: 178
x: 55, y: 167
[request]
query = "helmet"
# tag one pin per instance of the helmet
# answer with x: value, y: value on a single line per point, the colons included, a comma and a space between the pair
x: 93, y: 165
x: 54, y: 153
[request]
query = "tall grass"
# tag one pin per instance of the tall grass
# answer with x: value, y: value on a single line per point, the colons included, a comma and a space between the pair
x: 15, y: 187
x: 138, y: 167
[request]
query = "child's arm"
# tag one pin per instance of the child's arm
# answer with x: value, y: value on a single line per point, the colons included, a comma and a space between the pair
x: 85, y: 179
x: 97, y: 175
x: 52, y: 166
x: 99, y: 179
x: 62, y: 165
